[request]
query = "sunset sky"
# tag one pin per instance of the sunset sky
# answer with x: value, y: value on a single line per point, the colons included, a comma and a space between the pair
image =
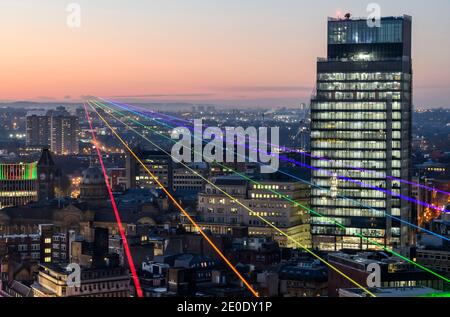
x: 232, y: 52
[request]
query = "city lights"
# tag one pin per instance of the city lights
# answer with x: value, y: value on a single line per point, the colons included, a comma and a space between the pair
x: 221, y: 157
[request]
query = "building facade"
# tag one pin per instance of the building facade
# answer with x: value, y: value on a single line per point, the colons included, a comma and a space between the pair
x: 361, y: 117
x: 46, y: 170
x: 18, y: 184
x: 187, y: 181
x: 55, y: 128
x: 52, y: 281
x: 38, y: 129
x: 93, y: 187
x: 46, y: 246
x: 393, y: 272
x: 160, y: 165
x: 220, y: 214
x: 64, y: 134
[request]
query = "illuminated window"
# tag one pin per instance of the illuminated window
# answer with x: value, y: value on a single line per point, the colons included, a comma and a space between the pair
x: 48, y: 250
x: 48, y: 240
x: 47, y: 259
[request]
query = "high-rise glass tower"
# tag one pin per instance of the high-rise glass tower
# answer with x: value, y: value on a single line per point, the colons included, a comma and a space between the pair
x: 361, y: 117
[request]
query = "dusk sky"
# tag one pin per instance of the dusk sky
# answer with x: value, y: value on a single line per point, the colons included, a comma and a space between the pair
x: 232, y: 52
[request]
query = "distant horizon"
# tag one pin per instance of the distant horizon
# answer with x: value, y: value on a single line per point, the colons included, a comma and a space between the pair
x: 175, y: 103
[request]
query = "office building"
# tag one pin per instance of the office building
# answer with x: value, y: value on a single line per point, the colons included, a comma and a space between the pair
x: 64, y: 132
x: 18, y: 184
x: 222, y: 215
x: 361, y: 117
x: 158, y: 162
x: 186, y: 181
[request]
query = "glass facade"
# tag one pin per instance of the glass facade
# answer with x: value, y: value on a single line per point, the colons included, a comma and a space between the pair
x: 355, y: 40
x: 361, y: 117
x: 358, y: 32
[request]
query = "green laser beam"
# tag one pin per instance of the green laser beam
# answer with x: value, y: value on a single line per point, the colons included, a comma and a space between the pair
x: 250, y: 210
x: 295, y: 202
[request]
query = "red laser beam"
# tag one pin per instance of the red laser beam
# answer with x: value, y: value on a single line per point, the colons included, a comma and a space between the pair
x: 200, y: 230
x: 116, y: 211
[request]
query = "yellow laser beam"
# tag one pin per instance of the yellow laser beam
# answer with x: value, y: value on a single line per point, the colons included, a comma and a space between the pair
x: 252, y: 211
x: 224, y: 258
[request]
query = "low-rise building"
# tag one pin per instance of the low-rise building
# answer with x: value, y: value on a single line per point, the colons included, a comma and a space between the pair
x: 394, y: 272
x: 54, y: 281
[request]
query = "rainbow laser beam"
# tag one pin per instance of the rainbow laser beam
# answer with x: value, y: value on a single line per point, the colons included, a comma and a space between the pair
x: 300, y: 205
x: 252, y: 212
x: 186, y: 214
x: 287, y: 149
x: 116, y: 211
x: 348, y: 179
x: 356, y: 202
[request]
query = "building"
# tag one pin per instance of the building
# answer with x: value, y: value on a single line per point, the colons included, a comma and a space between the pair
x: 181, y: 281
x: 93, y: 187
x: 38, y: 129
x: 64, y: 132
x: 18, y: 184
x: 25, y: 245
x: 101, y: 275
x: 16, y: 275
x: 397, y: 292
x: 303, y: 279
x: 25, y: 181
x: 432, y: 251
x: 186, y: 181
x: 434, y: 259
x: 259, y: 252
x: 57, y: 129
x: 52, y: 281
x: 220, y: 214
x: 158, y: 162
x: 54, y: 245
x: 394, y: 272
x: 46, y: 170
x: 118, y: 179
x: 361, y: 117
x: 46, y: 246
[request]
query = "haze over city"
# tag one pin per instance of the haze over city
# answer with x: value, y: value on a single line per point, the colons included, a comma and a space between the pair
x: 235, y: 53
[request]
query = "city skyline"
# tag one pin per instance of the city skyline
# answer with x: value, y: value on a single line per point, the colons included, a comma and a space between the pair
x: 257, y: 54
x: 248, y: 154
